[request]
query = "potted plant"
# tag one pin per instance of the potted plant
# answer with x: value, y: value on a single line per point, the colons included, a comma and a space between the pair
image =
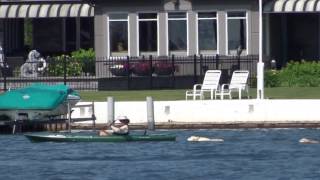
x: 120, y: 69
x: 143, y: 68
x: 163, y: 68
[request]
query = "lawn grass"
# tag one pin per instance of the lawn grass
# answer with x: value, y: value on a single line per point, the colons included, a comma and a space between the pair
x: 179, y: 94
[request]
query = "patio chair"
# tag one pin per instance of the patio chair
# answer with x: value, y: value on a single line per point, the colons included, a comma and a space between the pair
x: 238, y: 83
x: 210, y: 84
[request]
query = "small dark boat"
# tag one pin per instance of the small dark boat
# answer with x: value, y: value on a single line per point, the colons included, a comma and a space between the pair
x: 40, y: 137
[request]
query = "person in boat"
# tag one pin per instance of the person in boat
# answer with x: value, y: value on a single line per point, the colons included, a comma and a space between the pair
x: 118, y: 127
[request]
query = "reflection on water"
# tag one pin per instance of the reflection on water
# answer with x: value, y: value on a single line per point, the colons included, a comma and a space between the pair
x: 244, y: 154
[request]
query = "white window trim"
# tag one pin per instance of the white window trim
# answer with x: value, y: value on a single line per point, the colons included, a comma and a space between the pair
x: 158, y: 36
x: 108, y: 31
x: 138, y: 35
x: 167, y: 29
x: 247, y: 30
x: 108, y: 35
x: 167, y: 34
x: 197, y: 29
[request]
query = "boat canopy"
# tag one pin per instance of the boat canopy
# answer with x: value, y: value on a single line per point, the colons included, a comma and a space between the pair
x: 36, y: 97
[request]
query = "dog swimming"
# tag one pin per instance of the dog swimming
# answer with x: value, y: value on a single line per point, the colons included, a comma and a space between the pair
x: 201, y: 139
x: 308, y: 141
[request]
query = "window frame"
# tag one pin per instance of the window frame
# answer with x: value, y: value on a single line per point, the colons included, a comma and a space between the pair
x: 139, y: 52
x: 108, y: 33
x: 244, y: 51
x: 187, y: 30
x: 197, y: 32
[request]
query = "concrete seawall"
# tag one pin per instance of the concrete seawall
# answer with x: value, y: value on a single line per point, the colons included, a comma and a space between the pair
x: 214, y: 113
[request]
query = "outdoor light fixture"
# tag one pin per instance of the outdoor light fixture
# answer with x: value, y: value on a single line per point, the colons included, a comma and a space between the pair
x: 273, y: 64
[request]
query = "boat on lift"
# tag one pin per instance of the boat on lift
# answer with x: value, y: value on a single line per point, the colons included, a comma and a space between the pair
x: 38, y: 102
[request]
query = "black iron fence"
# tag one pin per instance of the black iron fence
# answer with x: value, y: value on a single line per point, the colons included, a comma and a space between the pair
x: 145, y: 72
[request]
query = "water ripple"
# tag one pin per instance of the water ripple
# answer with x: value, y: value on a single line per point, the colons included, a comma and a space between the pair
x: 245, y: 154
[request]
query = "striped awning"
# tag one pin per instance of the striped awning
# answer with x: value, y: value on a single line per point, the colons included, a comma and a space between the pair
x: 45, y: 10
x: 291, y: 6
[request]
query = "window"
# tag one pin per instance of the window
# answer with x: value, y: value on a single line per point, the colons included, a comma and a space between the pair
x: 148, y: 32
x: 207, y: 31
x: 177, y: 30
x: 118, y: 34
x: 237, y: 31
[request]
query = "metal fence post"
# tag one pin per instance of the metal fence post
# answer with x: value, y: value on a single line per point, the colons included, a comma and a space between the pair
x: 173, y: 80
x: 217, y: 61
x: 4, y: 73
x: 64, y: 70
x: 201, y: 65
x: 238, y: 60
x: 128, y: 74
x: 195, y: 69
x: 150, y: 73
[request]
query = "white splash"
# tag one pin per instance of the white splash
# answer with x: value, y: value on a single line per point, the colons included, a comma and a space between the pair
x: 308, y: 141
x: 199, y: 138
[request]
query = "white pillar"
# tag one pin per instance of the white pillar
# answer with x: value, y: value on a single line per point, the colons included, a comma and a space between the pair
x: 150, y: 113
x: 110, y: 110
x: 260, y: 65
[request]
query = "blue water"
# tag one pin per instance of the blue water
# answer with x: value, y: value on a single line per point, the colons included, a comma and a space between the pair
x: 245, y: 154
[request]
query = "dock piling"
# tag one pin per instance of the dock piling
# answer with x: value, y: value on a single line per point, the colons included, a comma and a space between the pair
x: 150, y: 113
x: 110, y: 110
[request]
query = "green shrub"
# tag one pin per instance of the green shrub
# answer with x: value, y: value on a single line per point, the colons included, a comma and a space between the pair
x: 56, y: 66
x: 80, y: 61
x: 87, y: 57
x: 295, y: 74
x: 301, y: 74
x: 272, y: 78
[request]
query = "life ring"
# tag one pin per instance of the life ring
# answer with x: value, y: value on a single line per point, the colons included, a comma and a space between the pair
x: 44, y: 64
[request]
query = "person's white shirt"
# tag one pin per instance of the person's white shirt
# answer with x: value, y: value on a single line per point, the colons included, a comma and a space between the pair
x: 123, y: 129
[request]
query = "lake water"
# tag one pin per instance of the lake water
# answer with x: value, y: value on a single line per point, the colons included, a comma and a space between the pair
x: 245, y: 154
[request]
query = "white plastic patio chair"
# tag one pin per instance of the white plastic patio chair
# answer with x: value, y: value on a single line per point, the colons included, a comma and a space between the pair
x: 210, y: 84
x: 238, y: 83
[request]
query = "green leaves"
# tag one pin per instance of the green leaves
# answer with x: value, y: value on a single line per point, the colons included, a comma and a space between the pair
x: 295, y: 74
x: 87, y: 58
x: 81, y: 61
x: 59, y: 64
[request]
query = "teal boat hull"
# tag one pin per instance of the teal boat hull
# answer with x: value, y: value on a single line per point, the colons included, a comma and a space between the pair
x: 96, y: 138
x: 38, y: 102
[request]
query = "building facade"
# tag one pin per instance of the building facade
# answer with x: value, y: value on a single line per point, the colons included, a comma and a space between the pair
x: 163, y: 27
x: 180, y: 27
